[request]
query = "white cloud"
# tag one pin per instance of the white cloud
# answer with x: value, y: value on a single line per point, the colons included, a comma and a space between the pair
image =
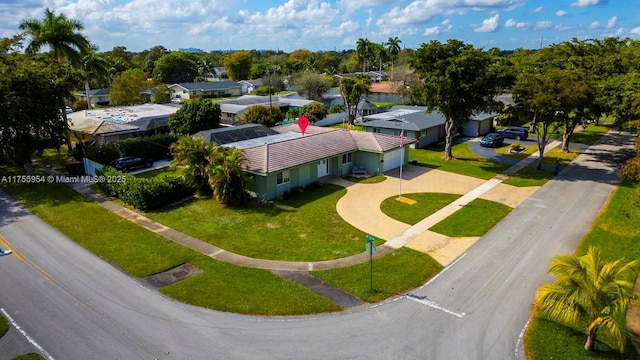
x: 594, y: 25
x: 489, y: 25
x: 543, y: 25
x: 611, y: 23
x: 635, y: 31
x: 538, y: 9
x: 431, y: 31
x: 562, y: 27
x: 512, y: 23
x: 561, y: 13
x: 587, y: 2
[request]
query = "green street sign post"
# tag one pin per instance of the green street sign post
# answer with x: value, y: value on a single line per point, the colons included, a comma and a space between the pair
x: 371, y: 249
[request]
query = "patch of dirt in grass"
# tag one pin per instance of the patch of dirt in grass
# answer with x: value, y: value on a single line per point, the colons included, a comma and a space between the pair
x: 171, y: 276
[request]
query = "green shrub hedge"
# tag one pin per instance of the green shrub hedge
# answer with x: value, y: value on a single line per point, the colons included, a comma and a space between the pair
x: 156, y: 147
x: 144, y: 193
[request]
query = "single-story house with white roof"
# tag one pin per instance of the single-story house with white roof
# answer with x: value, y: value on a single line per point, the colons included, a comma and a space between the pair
x: 289, y: 160
x: 207, y: 89
x: 111, y: 124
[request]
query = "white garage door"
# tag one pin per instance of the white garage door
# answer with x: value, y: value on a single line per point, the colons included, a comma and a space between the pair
x: 392, y: 160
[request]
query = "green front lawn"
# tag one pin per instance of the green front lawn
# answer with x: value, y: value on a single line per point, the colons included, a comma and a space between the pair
x: 465, y: 162
x: 425, y: 205
x: 305, y: 227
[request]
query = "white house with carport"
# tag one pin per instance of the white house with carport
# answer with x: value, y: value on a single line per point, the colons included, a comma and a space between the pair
x: 289, y: 160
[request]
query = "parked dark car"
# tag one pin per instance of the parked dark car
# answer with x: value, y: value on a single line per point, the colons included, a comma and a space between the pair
x: 514, y: 132
x: 131, y: 162
x: 492, y: 140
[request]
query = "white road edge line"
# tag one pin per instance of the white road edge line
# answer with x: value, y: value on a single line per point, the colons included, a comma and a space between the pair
x: 24, y: 333
x: 520, y: 337
x: 443, y: 270
x: 434, y: 305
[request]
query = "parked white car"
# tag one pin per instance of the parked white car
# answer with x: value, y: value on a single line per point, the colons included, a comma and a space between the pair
x: 177, y: 100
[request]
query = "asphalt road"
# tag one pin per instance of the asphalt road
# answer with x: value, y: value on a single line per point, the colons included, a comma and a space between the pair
x: 68, y: 304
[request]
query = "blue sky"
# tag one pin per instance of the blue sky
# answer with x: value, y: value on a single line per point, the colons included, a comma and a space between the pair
x: 331, y: 25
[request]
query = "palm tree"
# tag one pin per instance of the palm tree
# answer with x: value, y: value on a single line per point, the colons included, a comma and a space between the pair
x: 393, y: 48
x: 60, y: 34
x: 96, y: 67
x: 206, y: 68
x: 589, y: 292
x: 363, y: 48
x: 228, y: 180
x: 191, y: 156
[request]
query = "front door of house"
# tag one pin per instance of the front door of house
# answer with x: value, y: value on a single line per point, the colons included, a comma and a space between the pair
x: 323, y: 168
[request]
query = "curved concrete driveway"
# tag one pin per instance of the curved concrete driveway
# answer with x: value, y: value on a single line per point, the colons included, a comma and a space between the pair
x: 361, y: 207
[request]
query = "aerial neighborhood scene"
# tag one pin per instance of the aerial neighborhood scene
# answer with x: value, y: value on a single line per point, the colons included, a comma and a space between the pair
x: 306, y: 179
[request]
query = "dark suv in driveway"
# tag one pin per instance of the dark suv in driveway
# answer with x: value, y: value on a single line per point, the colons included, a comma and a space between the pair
x: 131, y: 162
x: 514, y: 132
x: 492, y: 140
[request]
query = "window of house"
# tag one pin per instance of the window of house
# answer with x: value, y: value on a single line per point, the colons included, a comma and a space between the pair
x: 423, y: 132
x: 282, y: 177
x: 346, y: 158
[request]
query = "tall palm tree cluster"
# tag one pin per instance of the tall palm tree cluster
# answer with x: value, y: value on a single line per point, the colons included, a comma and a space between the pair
x: 374, y: 55
x: 212, y: 169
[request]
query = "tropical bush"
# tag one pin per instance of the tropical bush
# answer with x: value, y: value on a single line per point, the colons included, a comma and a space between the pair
x: 144, y: 193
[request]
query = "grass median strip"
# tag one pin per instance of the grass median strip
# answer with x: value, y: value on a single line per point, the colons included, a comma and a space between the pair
x: 425, y: 205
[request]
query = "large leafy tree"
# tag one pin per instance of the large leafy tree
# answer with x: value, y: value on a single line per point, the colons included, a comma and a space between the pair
x: 458, y: 80
x: 195, y: 115
x: 238, y: 65
x: 127, y: 87
x: 28, y: 117
x: 227, y: 178
x: 175, y: 67
x: 352, y: 90
x: 311, y: 85
x: 266, y: 115
x: 591, y: 293
x: 61, y: 35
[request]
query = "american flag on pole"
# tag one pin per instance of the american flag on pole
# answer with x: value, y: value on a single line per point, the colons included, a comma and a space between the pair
x: 401, y: 139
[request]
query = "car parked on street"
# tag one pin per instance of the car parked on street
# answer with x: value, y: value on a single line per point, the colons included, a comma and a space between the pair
x: 492, y: 140
x: 177, y: 100
x: 514, y: 132
x: 127, y: 163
